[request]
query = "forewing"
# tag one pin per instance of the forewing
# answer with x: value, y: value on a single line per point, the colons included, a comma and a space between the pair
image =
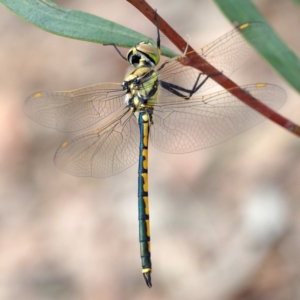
x: 190, y: 125
x: 76, y: 109
x: 226, y: 54
x: 101, y: 152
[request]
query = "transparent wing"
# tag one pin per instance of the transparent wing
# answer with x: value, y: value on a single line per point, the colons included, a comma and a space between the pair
x: 226, y: 54
x: 190, y: 125
x: 77, y: 109
x: 101, y: 152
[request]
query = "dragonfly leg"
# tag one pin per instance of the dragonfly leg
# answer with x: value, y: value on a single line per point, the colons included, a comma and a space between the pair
x: 177, y: 90
x: 117, y: 49
x: 158, y: 34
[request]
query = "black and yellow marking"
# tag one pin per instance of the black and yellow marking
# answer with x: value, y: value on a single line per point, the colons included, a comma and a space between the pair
x: 143, y: 204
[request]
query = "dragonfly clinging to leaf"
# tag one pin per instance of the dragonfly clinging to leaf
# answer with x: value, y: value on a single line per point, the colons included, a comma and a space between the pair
x: 164, y: 104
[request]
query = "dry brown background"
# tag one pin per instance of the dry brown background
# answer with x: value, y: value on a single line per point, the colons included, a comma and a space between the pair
x: 225, y: 221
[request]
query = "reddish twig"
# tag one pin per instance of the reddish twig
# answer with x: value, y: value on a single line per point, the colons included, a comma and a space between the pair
x: 196, y: 61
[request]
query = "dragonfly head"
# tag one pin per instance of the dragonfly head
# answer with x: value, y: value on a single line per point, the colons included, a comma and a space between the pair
x: 143, y: 54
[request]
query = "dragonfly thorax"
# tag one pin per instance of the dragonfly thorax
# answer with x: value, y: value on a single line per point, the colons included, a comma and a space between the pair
x: 141, y: 87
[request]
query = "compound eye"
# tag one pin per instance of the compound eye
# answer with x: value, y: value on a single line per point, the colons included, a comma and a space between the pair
x: 150, y: 52
x: 129, y: 54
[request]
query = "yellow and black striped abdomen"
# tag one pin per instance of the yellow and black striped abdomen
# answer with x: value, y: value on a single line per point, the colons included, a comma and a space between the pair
x: 144, y: 225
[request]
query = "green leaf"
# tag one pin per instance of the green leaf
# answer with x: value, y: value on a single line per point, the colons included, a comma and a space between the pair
x: 275, y: 51
x: 75, y: 24
x: 297, y: 2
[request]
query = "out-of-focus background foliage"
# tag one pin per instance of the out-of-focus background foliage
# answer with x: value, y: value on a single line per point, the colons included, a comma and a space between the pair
x: 224, y: 220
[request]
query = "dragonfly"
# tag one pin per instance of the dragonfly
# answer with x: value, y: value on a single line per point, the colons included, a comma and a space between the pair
x: 162, y: 104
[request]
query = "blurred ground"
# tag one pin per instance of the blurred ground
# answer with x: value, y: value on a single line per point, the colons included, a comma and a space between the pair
x: 224, y: 220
